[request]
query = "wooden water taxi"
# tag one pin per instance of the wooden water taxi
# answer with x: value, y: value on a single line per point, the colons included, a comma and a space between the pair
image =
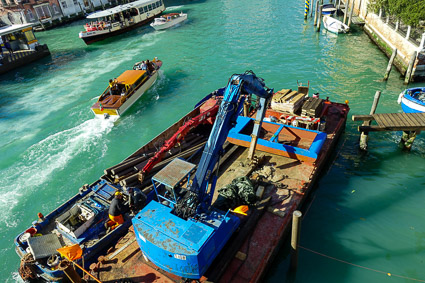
x: 168, y: 20
x: 125, y: 90
x: 120, y: 19
x: 289, y: 159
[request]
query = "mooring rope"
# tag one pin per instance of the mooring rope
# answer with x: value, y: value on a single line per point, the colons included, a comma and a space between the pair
x: 361, y: 266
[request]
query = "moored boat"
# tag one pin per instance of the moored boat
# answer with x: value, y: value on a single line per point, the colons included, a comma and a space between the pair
x: 412, y: 100
x: 328, y: 9
x: 120, y: 19
x: 291, y: 151
x: 19, y: 47
x: 334, y: 25
x: 125, y: 90
x: 168, y: 20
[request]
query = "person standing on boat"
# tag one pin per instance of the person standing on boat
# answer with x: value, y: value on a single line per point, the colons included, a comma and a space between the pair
x: 136, y: 199
x: 116, y: 211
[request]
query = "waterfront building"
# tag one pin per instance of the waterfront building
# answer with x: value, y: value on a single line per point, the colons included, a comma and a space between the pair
x: 46, y: 12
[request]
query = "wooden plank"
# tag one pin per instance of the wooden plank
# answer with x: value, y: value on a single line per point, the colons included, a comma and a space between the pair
x: 394, y: 123
x: 387, y: 120
x: 362, y: 117
x: 397, y: 119
x: 421, y: 117
x: 288, y: 96
x: 418, y: 117
x: 409, y: 120
x: 381, y: 119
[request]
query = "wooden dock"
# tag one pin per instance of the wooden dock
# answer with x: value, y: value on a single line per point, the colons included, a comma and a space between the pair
x: 392, y: 122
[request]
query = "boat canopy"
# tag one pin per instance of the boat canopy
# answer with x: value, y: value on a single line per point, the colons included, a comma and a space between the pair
x: 13, y: 28
x: 130, y: 77
x: 120, y: 8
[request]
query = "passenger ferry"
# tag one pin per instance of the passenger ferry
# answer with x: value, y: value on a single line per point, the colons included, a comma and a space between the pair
x: 126, y: 89
x: 19, y: 47
x: 120, y: 19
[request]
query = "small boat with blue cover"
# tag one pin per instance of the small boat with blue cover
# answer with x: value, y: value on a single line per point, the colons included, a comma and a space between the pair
x: 328, y: 9
x: 81, y: 220
x: 412, y: 100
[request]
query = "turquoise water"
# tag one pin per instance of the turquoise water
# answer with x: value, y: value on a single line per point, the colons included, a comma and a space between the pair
x: 367, y: 209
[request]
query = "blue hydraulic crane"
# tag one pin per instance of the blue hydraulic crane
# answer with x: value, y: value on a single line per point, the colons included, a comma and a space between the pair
x: 184, y: 235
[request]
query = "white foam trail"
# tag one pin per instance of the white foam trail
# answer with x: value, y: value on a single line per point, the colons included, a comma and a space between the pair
x: 42, y: 159
x: 50, y: 97
x: 172, y: 8
x: 15, y: 278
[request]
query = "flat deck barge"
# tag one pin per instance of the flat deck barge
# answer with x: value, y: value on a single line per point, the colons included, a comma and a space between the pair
x: 285, y: 179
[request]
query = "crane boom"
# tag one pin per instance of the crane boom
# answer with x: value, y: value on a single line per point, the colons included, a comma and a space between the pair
x: 183, y: 236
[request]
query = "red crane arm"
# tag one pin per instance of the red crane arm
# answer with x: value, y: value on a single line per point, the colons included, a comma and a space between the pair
x: 201, y: 118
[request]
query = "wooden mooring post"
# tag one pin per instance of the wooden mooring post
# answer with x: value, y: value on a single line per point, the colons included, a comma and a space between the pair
x: 345, y: 11
x: 351, y: 13
x: 306, y: 9
x: 312, y: 8
x: 319, y: 18
x: 410, y: 67
x: 315, y: 12
x: 364, y: 136
x: 295, y: 238
x: 390, y: 64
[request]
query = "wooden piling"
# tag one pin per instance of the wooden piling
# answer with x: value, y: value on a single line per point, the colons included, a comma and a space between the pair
x: 345, y: 11
x: 312, y: 6
x: 407, y: 139
x: 315, y: 12
x: 365, y: 135
x: 295, y: 238
x: 390, y: 64
x: 319, y: 19
x: 410, y: 68
x: 351, y: 13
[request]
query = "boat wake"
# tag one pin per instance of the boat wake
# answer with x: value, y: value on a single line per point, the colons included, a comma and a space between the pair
x: 50, y: 156
x: 173, y: 8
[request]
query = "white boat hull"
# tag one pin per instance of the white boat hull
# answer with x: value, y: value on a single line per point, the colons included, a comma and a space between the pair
x: 169, y: 24
x: 334, y: 25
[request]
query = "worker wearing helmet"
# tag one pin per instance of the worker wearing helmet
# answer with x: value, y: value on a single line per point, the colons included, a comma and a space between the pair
x: 116, y: 211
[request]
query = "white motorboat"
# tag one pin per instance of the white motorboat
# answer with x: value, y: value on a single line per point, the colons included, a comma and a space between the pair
x: 168, y: 20
x: 334, y: 25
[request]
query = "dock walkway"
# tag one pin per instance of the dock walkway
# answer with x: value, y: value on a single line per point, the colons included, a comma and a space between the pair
x: 392, y: 122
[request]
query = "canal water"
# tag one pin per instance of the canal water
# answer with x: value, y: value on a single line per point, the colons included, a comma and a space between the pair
x: 363, y: 223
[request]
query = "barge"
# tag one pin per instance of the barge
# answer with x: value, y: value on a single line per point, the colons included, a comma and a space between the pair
x: 291, y: 149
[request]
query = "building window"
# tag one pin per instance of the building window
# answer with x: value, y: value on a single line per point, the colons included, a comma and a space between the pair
x: 75, y: 2
x: 43, y: 12
x: 63, y: 5
x: 30, y: 15
x: 11, y: 17
x: 56, y: 8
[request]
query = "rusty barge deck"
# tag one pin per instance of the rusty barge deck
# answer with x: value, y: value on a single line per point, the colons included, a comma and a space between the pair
x: 286, y: 180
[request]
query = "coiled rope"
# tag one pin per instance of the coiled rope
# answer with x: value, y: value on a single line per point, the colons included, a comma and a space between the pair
x: 27, y: 268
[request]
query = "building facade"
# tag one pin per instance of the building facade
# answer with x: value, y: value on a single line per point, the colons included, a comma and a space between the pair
x: 46, y: 12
